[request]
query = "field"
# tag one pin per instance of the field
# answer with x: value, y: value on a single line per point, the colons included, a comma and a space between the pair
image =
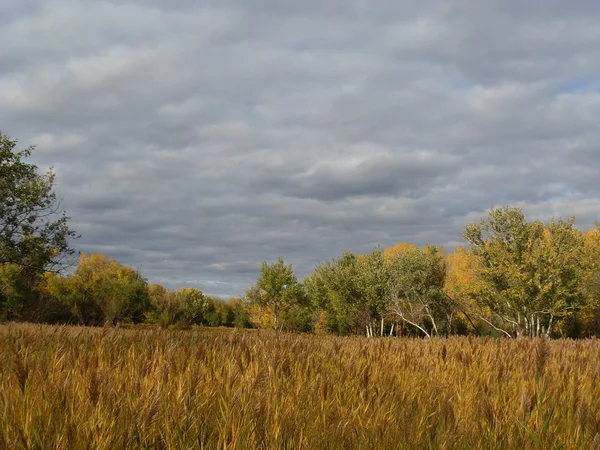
x: 79, y: 388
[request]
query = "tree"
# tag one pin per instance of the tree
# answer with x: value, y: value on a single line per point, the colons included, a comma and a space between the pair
x: 591, y: 259
x: 333, y: 294
x: 278, y: 289
x: 194, y: 305
x: 260, y: 313
x: 219, y: 313
x: 101, y: 290
x: 587, y: 321
x: 185, y: 306
x: 34, y: 233
x: 417, y: 290
x: 372, y: 283
x: 15, y: 290
x: 397, y: 249
x: 165, y: 310
x: 530, y: 272
x: 241, y: 317
x: 462, y: 280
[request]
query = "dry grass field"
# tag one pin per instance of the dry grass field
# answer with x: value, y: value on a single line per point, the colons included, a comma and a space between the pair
x: 80, y: 388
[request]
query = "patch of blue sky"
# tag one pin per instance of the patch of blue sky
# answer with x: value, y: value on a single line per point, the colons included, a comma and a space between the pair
x: 578, y: 85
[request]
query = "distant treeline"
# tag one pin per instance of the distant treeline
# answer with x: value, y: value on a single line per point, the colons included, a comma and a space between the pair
x: 517, y: 278
x: 102, y: 291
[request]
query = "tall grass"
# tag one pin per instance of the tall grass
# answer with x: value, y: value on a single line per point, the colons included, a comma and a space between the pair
x: 79, y: 388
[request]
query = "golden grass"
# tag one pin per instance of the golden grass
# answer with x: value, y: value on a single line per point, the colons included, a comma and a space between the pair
x: 80, y: 388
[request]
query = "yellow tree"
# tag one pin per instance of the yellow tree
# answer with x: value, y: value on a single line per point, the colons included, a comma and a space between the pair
x: 400, y: 248
x: 260, y: 313
x: 589, y: 316
x: 101, y: 289
x: 463, y: 281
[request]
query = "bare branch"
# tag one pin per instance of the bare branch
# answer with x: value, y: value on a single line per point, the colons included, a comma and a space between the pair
x: 494, y: 326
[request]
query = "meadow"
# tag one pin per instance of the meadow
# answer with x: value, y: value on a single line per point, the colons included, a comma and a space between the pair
x: 107, y: 388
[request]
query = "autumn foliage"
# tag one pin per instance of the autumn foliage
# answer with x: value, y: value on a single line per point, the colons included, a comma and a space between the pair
x: 513, y: 278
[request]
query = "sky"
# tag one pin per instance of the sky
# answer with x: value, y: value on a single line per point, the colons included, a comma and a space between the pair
x: 195, y: 139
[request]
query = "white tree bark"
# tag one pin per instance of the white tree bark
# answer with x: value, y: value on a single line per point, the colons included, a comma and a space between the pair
x: 401, y: 315
x: 549, y: 330
x: 494, y: 326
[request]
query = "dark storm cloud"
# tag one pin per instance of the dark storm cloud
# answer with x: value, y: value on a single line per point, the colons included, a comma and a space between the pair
x: 195, y: 140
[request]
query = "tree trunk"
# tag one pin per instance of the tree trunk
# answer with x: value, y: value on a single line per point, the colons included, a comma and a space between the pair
x: 549, y: 330
x: 495, y: 327
x: 415, y: 325
x: 435, y: 329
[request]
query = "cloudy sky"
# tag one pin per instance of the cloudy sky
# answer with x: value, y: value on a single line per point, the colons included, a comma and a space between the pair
x: 196, y: 139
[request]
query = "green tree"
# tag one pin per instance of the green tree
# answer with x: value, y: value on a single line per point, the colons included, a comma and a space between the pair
x: 164, y: 309
x: 417, y: 280
x: 332, y: 291
x: 34, y: 233
x: 16, y: 289
x: 194, y: 305
x: 530, y: 272
x: 586, y: 321
x: 372, y: 284
x: 241, y: 316
x: 221, y: 313
x: 279, y: 289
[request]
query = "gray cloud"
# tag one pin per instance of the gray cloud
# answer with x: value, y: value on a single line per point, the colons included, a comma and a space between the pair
x: 196, y: 140
x: 362, y: 170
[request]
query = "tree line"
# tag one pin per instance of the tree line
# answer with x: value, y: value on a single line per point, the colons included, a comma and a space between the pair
x: 514, y: 278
